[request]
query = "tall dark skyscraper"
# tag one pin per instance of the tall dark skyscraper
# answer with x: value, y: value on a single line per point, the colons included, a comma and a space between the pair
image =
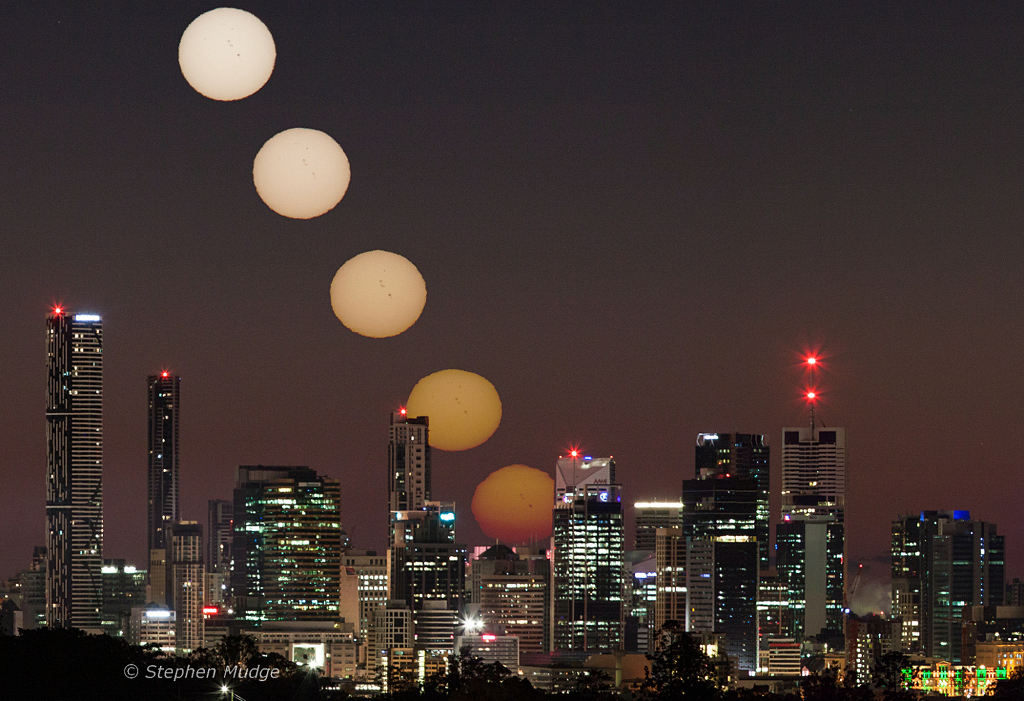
x: 408, y: 467
x: 74, y: 479
x: 745, y: 455
x: 720, y: 517
x: 163, y: 509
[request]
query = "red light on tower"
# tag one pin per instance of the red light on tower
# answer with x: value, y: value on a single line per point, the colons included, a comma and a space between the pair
x: 811, y: 395
x: 402, y: 411
x: 164, y: 374
x: 812, y: 361
x: 58, y: 311
x: 574, y: 453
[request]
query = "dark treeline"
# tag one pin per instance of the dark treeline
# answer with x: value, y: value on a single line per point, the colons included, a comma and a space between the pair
x: 67, y: 664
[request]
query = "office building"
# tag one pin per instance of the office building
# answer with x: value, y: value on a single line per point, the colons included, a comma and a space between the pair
x: 74, y: 479
x: 641, y: 599
x: 587, y: 582
x: 512, y: 593
x: 491, y: 648
x: 814, y: 472
x: 747, y: 456
x: 286, y: 548
x: 425, y: 562
x: 435, y: 626
x: 670, y: 577
x: 957, y: 563
x: 186, y: 578
x: 814, y: 481
x: 153, y: 625
x: 372, y: 570
x: 722, y: 509
x: 391, y: 641
x: 124, y: 588
x: 163, y: 509
x: 649, y: 516
x: 408, y: 466
x: 219, y: 532
x: 809, y: 565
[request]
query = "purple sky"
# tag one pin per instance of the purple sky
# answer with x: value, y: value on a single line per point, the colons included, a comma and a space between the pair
x: 631, y: 219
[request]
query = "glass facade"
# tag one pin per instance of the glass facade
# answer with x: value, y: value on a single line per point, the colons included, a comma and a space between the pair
x: 588, y: 568
x: 286, y: 549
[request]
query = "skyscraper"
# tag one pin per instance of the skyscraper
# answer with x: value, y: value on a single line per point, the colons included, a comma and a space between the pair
x: 286, y: 548
x: 720, y: 510
x: 163, y: 507
x: 745, y: 455
x: 74, y: 480
x: 424, y: 562
x: 814, y: 471
x: 408, y: 467
x: 589, y: 547
x: 952, y: 562
x: 649, y: 516
x: 185, y: 583
x: 814, y: 492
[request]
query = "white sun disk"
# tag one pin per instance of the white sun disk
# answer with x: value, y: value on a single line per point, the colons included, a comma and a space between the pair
x: 378, y: 294
x: 226, y: 54
x: 301, y: 173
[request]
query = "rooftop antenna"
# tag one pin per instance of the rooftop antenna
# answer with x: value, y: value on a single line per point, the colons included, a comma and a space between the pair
x: 812, y: 365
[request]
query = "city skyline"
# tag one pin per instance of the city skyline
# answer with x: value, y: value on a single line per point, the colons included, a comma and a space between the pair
x: 633, y: 222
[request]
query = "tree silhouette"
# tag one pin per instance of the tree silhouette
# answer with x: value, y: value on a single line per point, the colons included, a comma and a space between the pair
x: 679, y: 668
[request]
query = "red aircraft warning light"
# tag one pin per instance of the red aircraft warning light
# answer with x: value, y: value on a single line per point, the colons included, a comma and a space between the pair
x: 164, y: 373
x: 811, y: 396
x: 402, y: 411
x: 574, y: 453
x: 58, y: 311
x: 812, y: 361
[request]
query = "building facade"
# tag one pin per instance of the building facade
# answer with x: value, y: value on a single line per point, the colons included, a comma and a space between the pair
x: 649, y: 516
x: 186, y: 578
x: 721, y: 510
x: 408, y: 466
x: 747, y: 456
x: 74, y: 479
x: 286, y: 546
x: 587, y: 583
x: 163, y: 505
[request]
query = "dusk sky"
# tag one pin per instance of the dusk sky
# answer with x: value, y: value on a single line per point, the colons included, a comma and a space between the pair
x: 632, y: 219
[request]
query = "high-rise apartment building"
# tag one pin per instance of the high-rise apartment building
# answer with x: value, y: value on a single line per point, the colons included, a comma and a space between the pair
x: 408, y: 466
x: 587, y: 584
x: 74, y: 479
x: 649, y: 516
x: 942, y: 562
x: 747, y: 456
x: 286, y: 547
x: 163, y: 509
